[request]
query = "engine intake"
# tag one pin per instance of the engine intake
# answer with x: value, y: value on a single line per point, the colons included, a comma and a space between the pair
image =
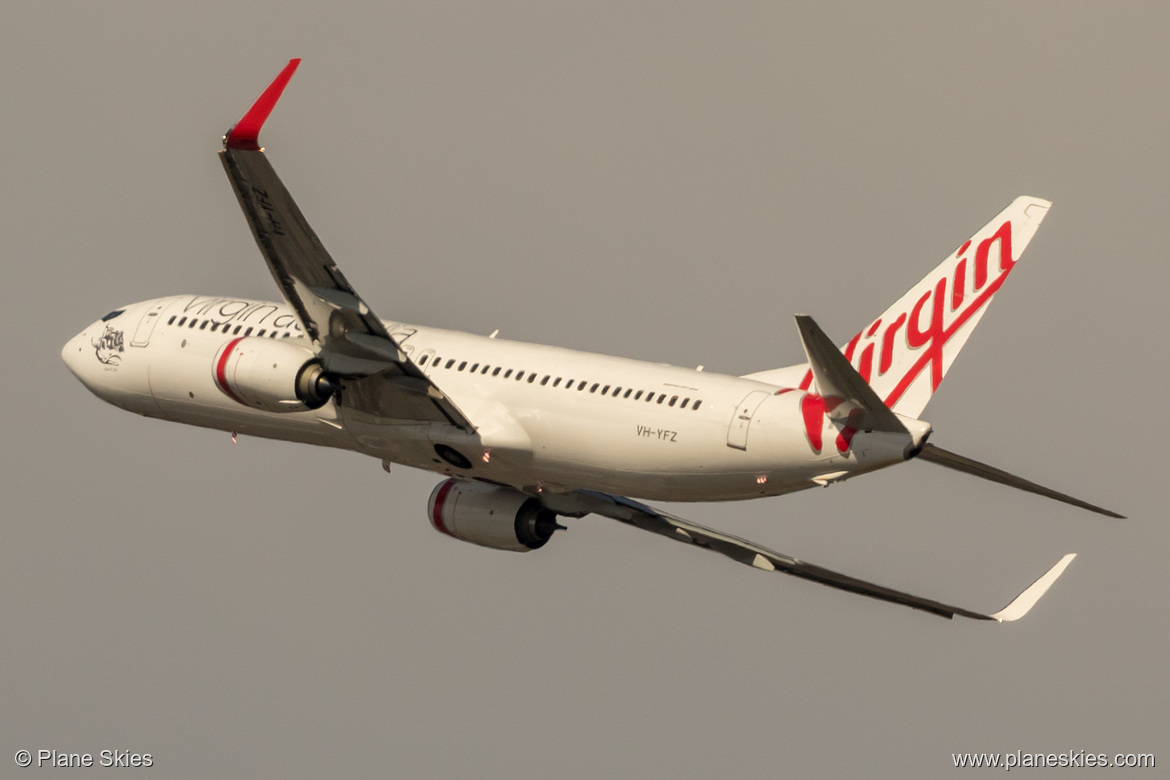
x: 276, y: 376
x: 490, y: 516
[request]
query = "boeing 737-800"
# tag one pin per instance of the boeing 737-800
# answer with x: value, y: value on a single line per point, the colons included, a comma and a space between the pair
x: 528, y: 434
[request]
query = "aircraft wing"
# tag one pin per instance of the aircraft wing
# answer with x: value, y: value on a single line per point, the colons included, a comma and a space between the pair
x: 749, y: 553
x: 376, y: 375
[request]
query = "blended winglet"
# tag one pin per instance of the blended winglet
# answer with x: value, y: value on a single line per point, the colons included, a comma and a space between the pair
x: 245, y: 134
x: 1026, y: 600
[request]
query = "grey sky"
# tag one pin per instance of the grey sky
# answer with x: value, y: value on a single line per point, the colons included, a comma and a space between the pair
x: 658, y: 180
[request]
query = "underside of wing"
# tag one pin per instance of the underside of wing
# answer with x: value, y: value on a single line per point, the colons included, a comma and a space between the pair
x: 375, y: 375
x: 749, y: 553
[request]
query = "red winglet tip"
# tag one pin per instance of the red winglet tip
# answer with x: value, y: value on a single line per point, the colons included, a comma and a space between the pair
x: 247, y: 131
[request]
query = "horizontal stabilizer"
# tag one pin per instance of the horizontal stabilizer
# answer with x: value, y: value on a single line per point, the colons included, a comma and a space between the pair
x: 859, y: 405
x: 951, y: 460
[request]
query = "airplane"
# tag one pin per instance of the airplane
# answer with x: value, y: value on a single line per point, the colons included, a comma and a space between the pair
x: 527, y: 434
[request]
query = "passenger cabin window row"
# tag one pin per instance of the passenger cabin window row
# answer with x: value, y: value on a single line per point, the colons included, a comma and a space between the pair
x: 228, y: 328
x: 547, y: 380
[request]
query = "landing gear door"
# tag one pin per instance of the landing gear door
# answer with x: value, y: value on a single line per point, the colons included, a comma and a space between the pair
x: 737, y: 432
x: 146, y: 325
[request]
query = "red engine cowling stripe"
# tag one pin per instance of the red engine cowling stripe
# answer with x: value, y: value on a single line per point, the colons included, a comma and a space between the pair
x: 437, y: 512
x: 220, y: 372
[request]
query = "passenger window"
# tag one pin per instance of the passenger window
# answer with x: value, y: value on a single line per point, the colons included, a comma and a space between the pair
x: 236, y: 332
x: 582, y: 385
x: 594, y: 388
x: 423, y: 360
x: 508, y: 373
x: 496, y: 371
x: 450, y: 362
x: 171, y: 321
x: 685, y: 402
x: 182, y: 322
x: 485, y: 369
x: 662, y: 398
x: 605, y: 390
x: 248, y: 332
x: 203, y: 325
x: 272, y: 335
x: 557, y: 382
x: 698, y: 403
x: 463, y: 365
x: 474, y: 367
x: 638, y: 396
x: 628, y: 391
x: 531, y: 378
x: 673, y: 400
x: 544, y: 381
x: 519, y: 375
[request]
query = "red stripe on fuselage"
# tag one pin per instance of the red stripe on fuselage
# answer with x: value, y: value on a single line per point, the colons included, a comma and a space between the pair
x: 812, y: 407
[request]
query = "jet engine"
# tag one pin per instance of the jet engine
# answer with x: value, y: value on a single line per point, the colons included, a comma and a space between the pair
x: 490, y: 515
x: 276, y: 376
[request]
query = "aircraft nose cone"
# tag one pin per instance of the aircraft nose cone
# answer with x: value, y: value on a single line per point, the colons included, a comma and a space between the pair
x: 73, y: 353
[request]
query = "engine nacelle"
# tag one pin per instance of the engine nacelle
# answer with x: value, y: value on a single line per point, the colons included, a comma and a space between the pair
x: 276, y: 376
x: 490, y: 516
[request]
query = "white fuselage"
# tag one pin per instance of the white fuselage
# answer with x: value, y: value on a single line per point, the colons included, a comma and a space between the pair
x: 546, y: 418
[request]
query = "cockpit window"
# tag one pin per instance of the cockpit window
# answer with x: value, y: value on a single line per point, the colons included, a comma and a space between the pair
x: 112, y: 314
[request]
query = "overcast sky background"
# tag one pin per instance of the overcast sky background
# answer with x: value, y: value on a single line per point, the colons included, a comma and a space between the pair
x: 662, y: 181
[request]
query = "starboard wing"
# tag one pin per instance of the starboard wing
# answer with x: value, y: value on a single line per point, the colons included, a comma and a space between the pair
x: 375, y: 374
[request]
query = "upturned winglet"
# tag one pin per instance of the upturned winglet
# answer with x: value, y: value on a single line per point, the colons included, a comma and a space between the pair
x: 245, y: 133
x: 1026, y: 600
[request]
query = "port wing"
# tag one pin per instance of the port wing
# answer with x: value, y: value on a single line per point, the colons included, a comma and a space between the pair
x: 749, y: 553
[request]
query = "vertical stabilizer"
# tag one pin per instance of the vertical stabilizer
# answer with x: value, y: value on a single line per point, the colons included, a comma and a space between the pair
x: 905, y: 353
